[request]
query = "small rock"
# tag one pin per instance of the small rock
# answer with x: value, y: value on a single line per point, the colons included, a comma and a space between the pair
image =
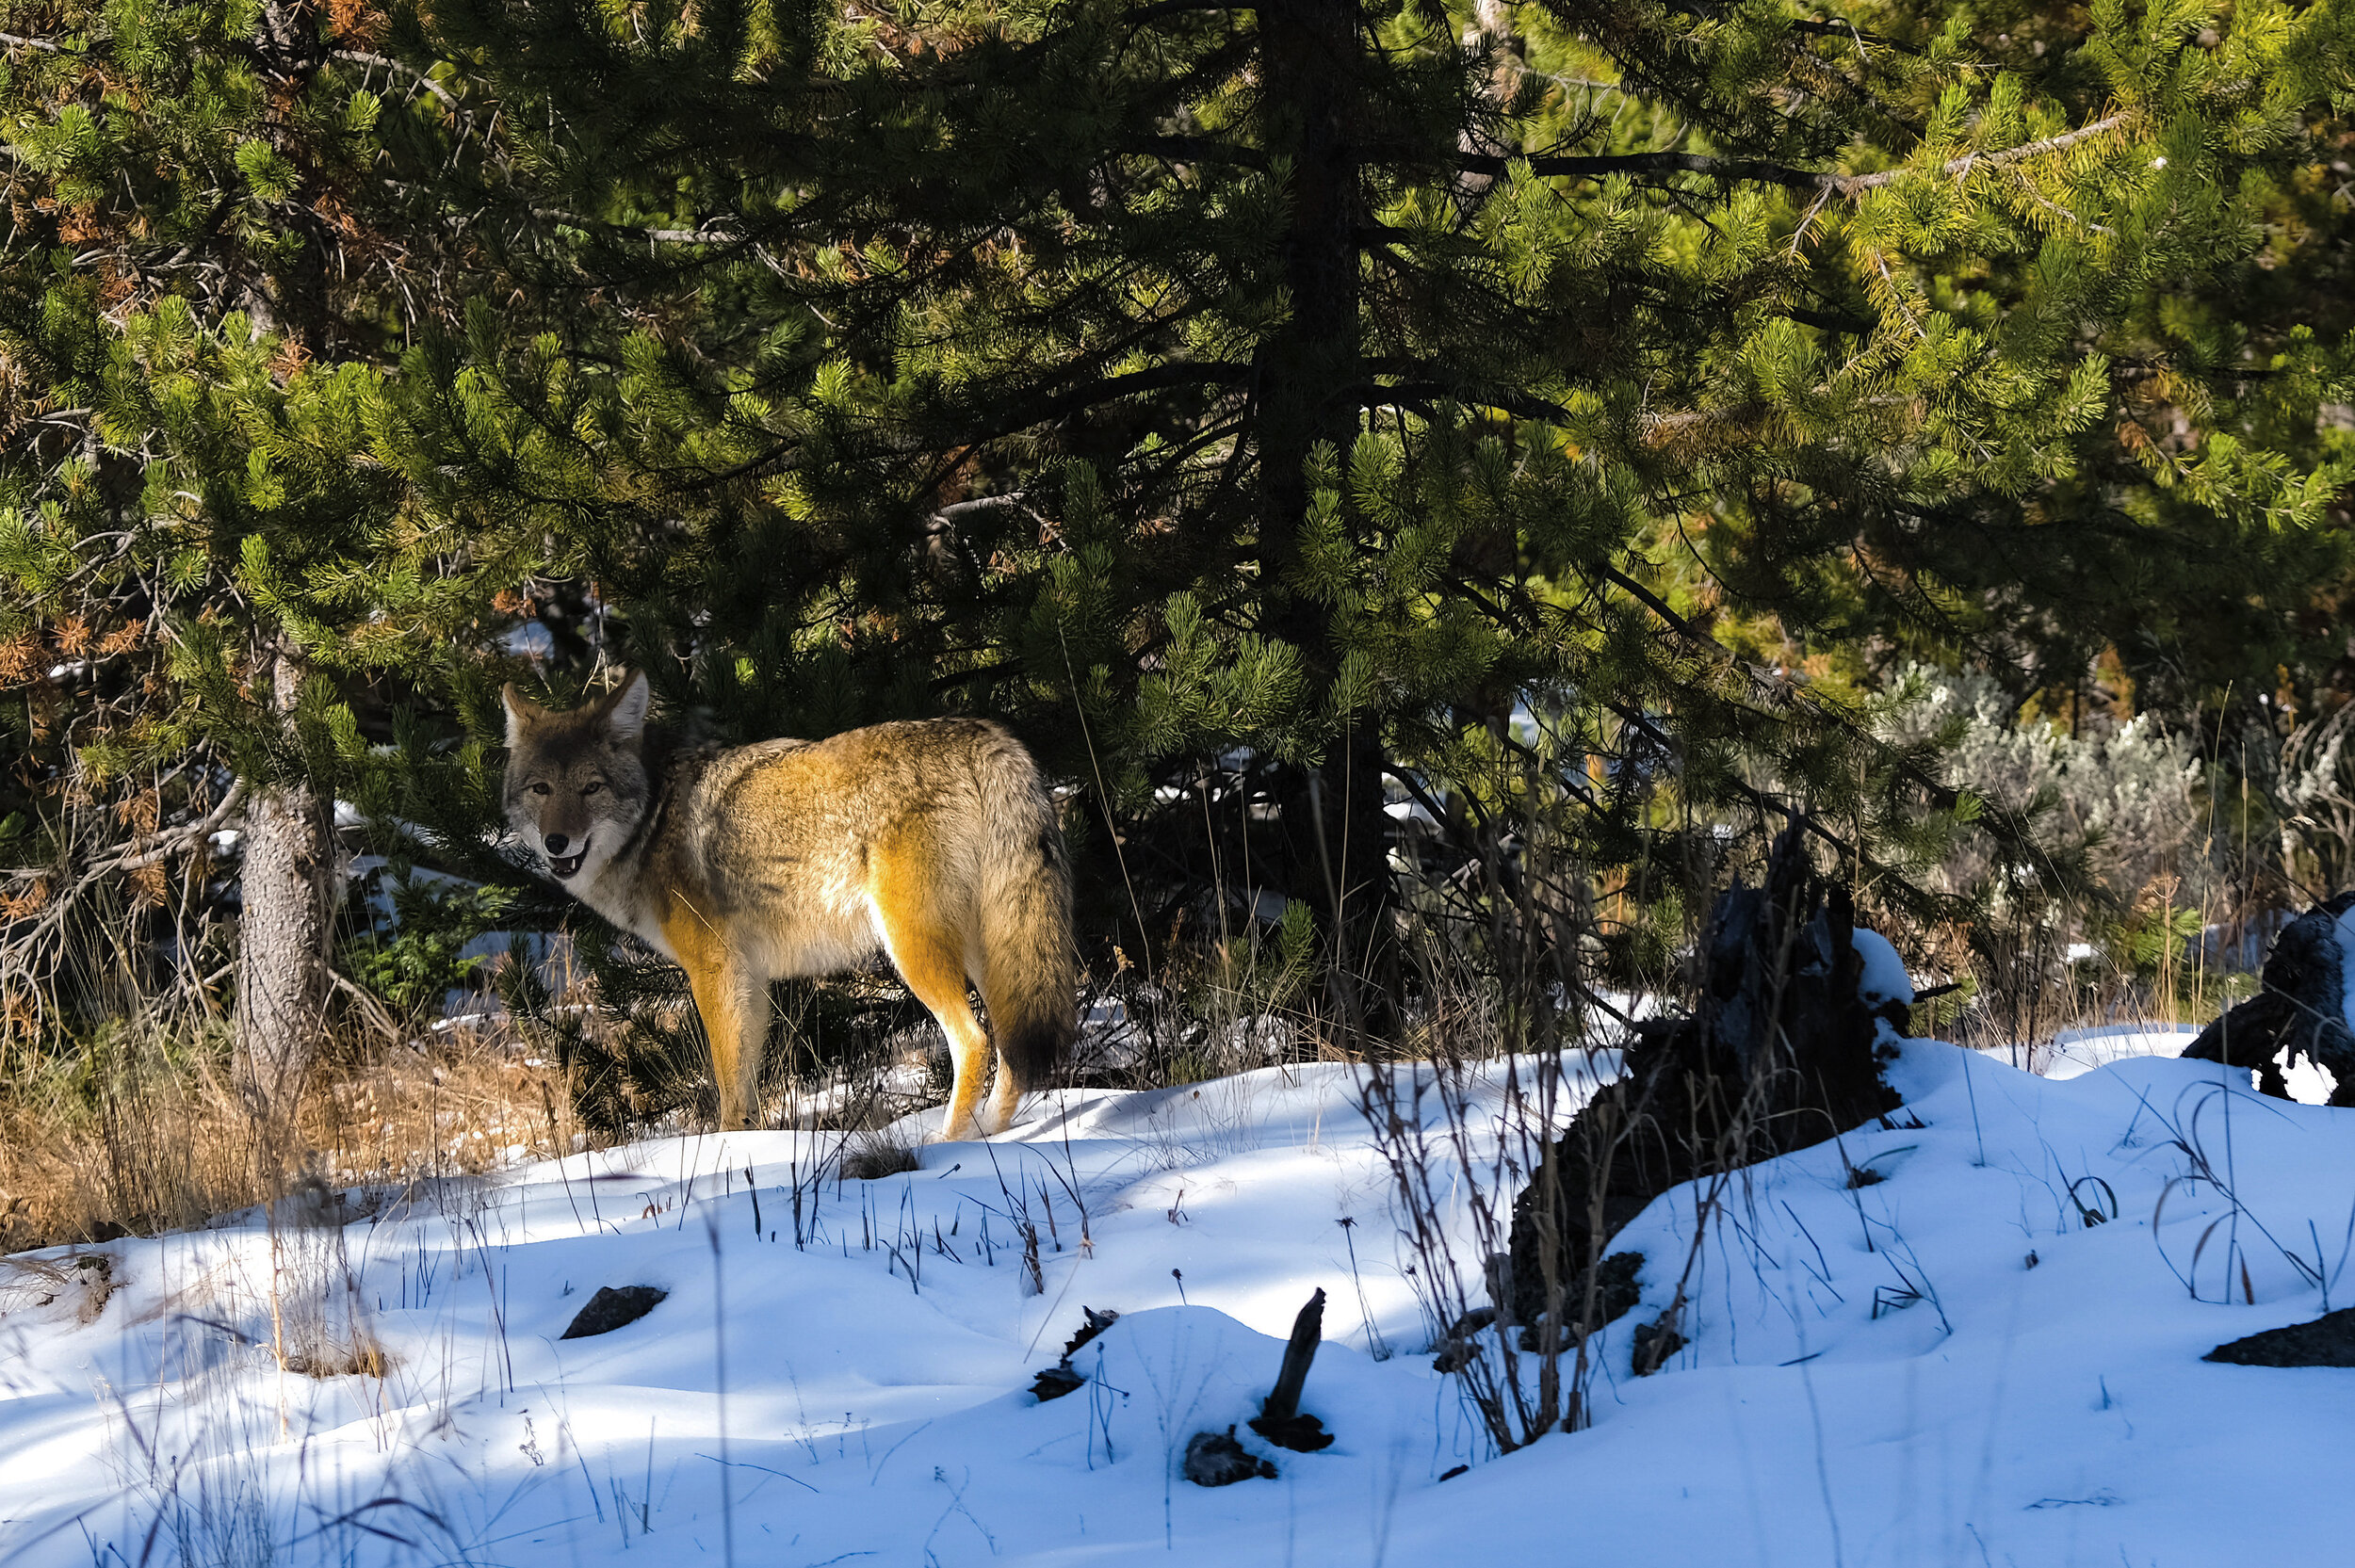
x: 1215, y: 1458
x: 1056, y: 1382
x: 610, y: 1309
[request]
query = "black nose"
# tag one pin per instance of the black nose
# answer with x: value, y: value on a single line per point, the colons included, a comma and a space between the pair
x: 556, y: 843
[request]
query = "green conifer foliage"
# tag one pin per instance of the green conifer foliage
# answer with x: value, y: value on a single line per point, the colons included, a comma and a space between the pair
x: 214, y: 562
x: 1290, y: 416
x: 1404, y: 399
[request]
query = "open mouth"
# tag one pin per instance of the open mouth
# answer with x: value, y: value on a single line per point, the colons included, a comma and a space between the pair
x: 567, y: 866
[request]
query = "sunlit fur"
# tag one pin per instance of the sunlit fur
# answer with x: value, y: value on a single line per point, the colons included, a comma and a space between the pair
x: 933, y: 841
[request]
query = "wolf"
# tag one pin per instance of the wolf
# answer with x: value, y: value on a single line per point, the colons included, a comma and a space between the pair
x: 933, y: 841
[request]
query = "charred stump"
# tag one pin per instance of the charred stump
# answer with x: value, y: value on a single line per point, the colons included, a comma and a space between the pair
x: 2299, y: 1011
x: 1780, y: 1051
x: 1280, y: 1420
x: 1062, y: 1378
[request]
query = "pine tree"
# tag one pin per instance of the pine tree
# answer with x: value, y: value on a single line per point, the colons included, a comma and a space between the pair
x: 1281, y: 414
x: 1353, y: 381
x: 230, y: 218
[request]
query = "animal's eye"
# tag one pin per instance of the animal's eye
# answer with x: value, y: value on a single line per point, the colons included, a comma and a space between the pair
x: 541, y: 789
x: 592, y: 787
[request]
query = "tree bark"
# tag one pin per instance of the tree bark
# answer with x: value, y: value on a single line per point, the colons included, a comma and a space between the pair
x: 287, y: 886
x: 287, y: 883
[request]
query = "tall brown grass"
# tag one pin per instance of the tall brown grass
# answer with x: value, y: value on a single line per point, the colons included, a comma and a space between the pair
x: 148, y: 1130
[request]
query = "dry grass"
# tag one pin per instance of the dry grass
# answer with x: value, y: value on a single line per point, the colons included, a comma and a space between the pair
x: 149, y: 1131
x: 880, y: 1151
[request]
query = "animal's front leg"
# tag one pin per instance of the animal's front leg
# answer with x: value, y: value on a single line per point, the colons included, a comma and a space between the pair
x: 735, y: 1007
x: 732, y: 996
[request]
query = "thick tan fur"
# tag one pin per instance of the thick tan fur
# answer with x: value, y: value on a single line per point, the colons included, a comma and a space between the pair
x: 933, y: 841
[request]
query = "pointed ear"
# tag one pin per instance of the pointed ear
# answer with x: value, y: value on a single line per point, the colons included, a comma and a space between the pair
x: 626, y: 710
x: 520, y: 714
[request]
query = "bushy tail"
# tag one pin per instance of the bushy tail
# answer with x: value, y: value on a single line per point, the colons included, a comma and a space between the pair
x: 1030, y: 979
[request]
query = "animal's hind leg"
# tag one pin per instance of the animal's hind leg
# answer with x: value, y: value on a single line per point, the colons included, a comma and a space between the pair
x: 1005, y: 1099
x: 930, y: 965
x: 931, y: 960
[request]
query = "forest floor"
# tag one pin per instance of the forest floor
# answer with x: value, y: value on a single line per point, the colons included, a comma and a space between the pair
x: 1988, y: 1355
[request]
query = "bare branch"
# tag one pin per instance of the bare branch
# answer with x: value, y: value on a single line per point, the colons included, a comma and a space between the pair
x: 361, y: 56
x: 145, y: 851
x: 661, y: 237
x: 1848, y: 184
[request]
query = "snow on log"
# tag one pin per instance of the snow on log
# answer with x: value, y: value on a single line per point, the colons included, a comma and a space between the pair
x: 2302, y: 1010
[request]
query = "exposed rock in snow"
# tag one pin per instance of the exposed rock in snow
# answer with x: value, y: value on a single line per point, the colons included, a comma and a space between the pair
x: 2328, y: 1341
x: 613, y: 1308
x: 1779, y: 1052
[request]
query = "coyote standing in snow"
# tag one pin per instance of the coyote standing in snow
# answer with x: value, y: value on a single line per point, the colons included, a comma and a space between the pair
x: 934, y: 840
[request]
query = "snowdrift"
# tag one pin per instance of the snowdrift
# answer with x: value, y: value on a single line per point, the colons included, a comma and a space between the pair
x: 1975, y: 1339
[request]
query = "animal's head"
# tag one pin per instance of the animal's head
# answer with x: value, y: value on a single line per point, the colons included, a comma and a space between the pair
x: 576, y: 781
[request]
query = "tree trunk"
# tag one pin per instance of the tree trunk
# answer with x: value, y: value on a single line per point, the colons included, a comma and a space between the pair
x: 2300, y: 1010
x: 1335, y: 832
x: 287, y: 882
x: 286, y: 887
x: 282, y: 936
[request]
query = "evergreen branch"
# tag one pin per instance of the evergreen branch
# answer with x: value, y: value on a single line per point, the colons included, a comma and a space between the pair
x: 1046, y: 410
x: 1762, y: 801
x: 976, y: 674
x: 1197, y: 149
x: 1602, y: 166
x: 1855, y: 326
x: 659, y: 236
x: 1851, y: 31
x: 956, y: 511
x: 1760, y: 171
x: 1837, y: 27
x: 1144, y: 16
x: 1420, y: 395
x: 1659, y: 607
x: 1939, y: 794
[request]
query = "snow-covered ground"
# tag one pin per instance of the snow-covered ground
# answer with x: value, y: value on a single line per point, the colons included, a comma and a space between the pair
x: 1991, y: 1355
